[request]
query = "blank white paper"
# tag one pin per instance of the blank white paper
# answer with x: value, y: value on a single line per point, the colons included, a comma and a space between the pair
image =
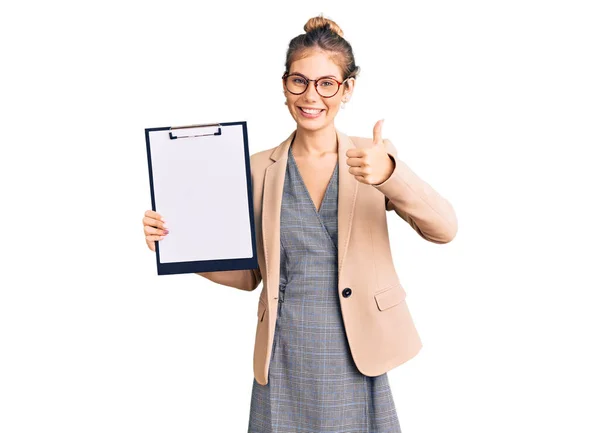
x: 200, y: 190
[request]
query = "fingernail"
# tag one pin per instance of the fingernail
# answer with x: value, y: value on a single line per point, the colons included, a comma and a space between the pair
x: 161, y: 238
x: 163, y: 220
x: 166, y: 232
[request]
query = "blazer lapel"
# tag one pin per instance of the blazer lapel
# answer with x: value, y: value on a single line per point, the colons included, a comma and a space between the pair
x: 271, y: 207
x: 347, y: 191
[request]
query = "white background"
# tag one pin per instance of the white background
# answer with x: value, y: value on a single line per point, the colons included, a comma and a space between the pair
x: 495, y: 104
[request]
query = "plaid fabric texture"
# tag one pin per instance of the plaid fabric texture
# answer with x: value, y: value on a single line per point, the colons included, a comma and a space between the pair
x: 314, y: 385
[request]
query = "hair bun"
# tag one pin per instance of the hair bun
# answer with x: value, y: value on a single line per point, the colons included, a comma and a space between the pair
x: 321, y: 22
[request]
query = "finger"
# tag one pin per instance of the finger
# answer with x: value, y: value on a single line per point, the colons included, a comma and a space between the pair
x: 148, y: 230
x: 151, y: 241
x: 356, y: 152
x: 151, y: 245
x: 361, y: 179
x: 355, y: 162
x: 153, y: 214
x: 154, y: 223
x: 377, y: 133
x: 360, y: 171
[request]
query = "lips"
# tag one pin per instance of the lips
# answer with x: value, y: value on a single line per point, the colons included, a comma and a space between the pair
x: 310, y: 114
x: 311, y: 110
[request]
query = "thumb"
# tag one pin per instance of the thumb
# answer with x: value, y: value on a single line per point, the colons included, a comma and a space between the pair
x: 377, y: 137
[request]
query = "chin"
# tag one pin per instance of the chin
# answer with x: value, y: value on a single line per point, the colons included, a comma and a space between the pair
x: 312, y: 126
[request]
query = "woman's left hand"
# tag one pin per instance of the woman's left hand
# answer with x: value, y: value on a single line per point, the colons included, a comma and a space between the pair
x: 371, y: 165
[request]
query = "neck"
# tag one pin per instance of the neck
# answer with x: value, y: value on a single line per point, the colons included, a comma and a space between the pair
x: 309, y: 143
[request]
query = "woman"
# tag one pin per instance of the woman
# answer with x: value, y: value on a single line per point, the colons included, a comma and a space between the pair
x: 332, y: 318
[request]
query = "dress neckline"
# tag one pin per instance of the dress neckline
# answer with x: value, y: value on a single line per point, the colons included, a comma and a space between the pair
x: 333, y: 175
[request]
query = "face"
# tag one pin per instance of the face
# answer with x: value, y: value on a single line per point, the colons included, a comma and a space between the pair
x: 314, y: 66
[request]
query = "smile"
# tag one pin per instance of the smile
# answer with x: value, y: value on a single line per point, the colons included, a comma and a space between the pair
x: 310, y: 112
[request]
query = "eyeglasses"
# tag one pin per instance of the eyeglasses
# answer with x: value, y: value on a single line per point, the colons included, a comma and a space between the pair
x: 298, y: 83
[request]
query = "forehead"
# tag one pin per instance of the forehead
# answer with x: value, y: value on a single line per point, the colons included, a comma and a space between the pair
x: 316, y: 63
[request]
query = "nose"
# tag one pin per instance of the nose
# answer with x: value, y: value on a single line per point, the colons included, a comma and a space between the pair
x: 311, y: 93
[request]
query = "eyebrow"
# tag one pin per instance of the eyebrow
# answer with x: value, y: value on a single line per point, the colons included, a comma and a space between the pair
x: 318, y: 78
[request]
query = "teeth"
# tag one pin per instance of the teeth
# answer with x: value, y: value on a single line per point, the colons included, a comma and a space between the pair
x: 310, y: 111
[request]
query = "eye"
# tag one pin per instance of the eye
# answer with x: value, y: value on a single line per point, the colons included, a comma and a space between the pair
x: 326, y: 83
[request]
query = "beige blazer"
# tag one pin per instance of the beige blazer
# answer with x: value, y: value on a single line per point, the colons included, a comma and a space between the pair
x: 378, y: 324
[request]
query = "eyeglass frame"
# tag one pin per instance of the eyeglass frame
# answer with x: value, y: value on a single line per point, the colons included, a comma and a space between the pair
x: 287, y: 74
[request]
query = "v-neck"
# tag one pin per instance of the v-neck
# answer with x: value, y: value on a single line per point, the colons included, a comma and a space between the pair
x: 318, y: 211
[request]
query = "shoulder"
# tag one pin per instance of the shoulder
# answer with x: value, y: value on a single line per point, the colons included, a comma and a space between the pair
x: 262, y: 159
x: 263, y: 155
x: 259, y: 161
x: 361, y: 142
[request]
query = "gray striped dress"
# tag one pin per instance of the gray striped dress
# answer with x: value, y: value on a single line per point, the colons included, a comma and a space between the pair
x: 314, y: 385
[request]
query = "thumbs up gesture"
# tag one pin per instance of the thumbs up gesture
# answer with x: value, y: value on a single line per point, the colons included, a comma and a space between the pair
x: 371, y: 165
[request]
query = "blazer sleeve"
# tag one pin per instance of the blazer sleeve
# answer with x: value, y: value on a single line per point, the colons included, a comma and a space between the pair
x: 243, y: 279
x: 416, y: 202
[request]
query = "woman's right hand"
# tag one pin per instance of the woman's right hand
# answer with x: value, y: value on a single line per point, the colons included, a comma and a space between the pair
x: 154, y: 228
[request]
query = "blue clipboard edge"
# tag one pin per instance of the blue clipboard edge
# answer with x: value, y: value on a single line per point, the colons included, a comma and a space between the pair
x: 208, y: 265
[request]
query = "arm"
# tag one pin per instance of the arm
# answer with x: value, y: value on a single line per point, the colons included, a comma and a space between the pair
x: 243, y: 279
x: 416, y: 202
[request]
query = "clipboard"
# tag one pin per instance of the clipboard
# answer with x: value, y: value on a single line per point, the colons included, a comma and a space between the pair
x: 200, y: 183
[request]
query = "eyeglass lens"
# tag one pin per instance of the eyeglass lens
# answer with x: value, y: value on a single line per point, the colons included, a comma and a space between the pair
x: 325, y: 86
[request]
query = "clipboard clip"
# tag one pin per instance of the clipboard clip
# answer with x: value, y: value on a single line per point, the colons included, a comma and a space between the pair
x: 193, y: 130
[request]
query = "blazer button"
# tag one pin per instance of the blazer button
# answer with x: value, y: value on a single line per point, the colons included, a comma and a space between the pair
x: 346, y: 292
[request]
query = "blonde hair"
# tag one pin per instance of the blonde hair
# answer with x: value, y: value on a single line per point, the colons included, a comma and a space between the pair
x: 318, y: 22
x: 323, y: 33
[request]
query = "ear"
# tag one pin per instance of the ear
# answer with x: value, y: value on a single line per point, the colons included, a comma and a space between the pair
x: 348, y: 89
